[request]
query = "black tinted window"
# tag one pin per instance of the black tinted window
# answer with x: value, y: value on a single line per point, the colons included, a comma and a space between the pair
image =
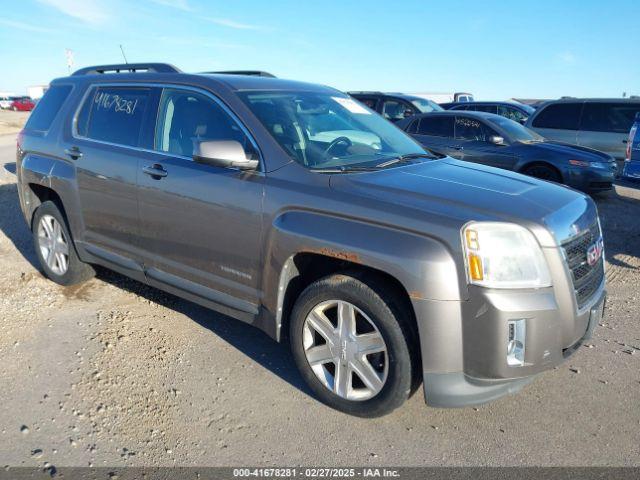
x: 48, y: 107
x: 608, y: 117
x: 186, y: 118
x: 114, y: 114
x: 369, y: 102
x: 563, y: 116
x: 436, y: 126
x: 471, y: 129
x: 485, y: 108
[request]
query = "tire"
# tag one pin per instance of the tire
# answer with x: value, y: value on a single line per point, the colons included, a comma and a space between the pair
x: 64, y: 266
x: 376, y: 317
x: 543, y: 172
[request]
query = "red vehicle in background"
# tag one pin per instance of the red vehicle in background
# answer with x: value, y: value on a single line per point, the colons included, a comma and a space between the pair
x: 22, y: 104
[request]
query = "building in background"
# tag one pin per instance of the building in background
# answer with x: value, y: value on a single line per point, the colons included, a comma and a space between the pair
x: 36, y: 91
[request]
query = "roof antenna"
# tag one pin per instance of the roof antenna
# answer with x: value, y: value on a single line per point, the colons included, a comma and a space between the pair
x: 125, y: 57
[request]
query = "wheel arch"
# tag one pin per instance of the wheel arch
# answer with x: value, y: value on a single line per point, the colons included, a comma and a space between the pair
x: 532, y: 163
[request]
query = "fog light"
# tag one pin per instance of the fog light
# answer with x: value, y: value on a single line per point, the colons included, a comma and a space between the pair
x: 516, y: 342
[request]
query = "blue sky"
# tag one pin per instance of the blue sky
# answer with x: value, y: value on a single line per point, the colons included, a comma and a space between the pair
x: 495, y: 49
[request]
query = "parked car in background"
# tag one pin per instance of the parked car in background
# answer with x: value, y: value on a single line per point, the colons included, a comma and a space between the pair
x: 602, y: 124
x: 446, y: 97
x: 511, y: 110
x: 395, y: 106
x: 381, y: 265
x: 5, y: 102
x: 499, y: 142
x: 632, y: 158
x: 22, y: 104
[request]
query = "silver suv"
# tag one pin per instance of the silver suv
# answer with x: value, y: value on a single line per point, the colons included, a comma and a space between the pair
x: 296, y: 209
x: 599, y: 123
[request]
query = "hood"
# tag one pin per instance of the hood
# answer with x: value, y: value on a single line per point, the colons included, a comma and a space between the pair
x: 453, y: 189
x: 570, y: 151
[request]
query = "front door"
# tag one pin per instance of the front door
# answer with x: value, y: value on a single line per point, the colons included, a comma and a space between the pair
x: 201, y: 225
x: 473, y: 135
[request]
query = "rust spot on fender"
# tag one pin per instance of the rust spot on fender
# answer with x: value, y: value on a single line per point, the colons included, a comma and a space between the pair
x: 339, y: 254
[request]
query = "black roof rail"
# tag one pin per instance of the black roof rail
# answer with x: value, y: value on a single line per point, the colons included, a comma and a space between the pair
x: 252, y: 73
x: 128, y: 68
x: 366, y: 92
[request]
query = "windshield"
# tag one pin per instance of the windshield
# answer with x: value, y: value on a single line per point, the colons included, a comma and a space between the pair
x: 426, y: 106
x: 323, y: 130
x: 516, y: 131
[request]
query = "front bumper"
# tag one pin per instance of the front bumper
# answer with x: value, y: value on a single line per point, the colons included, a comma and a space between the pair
x: 591, y: 179
x: 464, y: 351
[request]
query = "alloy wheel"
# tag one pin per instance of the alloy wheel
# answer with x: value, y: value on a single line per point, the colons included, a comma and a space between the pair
x: 53, y: 245
x: 345, y: 350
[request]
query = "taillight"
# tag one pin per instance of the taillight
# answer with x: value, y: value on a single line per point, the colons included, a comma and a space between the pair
x: 632, y: 135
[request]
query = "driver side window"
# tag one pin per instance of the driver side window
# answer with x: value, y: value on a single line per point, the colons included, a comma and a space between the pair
x: 470, y: 129
x: 186, y: 118
x: 394, y: 110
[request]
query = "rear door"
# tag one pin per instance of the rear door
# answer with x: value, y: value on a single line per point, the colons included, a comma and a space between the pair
x: 200, y: 224
x: 473, y: 135
x: 105, y: 144
x: 558, y: 121
x: 436, y: 133
x: 605, y: 126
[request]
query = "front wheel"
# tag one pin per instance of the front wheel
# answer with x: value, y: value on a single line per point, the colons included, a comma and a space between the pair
x: 352, y: 346
x: 55, y: 249
x: 543, y: 172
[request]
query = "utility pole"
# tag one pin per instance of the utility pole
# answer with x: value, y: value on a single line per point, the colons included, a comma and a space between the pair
x: 123, y: 55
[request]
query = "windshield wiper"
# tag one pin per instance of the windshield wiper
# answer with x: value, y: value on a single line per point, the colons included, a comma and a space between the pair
x: 404, y: 158
x: 345, y: 169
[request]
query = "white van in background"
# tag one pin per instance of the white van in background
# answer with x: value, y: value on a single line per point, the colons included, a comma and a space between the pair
x: 446, y: 97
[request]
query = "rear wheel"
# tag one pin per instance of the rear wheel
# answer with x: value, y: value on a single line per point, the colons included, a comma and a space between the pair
x: 352, y: 347
x: 543, y: 172
x: 55, y: 249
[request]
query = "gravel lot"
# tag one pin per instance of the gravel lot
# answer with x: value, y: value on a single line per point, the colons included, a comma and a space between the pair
x: 116, y: 373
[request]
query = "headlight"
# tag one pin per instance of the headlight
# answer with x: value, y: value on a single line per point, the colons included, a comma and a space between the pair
x: 503, y: 255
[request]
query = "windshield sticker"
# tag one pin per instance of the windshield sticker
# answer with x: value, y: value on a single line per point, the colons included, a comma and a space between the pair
x: 351, y: 105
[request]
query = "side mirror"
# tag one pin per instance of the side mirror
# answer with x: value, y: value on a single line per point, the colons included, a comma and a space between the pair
x: 407, y: 113
x: 223, y: 153
x: 523, y: 120
x: 496, y: 140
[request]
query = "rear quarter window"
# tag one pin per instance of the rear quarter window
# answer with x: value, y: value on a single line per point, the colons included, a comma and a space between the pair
x: 608, y: 117
x: 47, y: 108
x: 114, y: 115
x: 559, y: 116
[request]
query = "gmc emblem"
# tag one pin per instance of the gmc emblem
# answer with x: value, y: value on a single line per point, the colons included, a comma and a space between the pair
x: 594, y: 252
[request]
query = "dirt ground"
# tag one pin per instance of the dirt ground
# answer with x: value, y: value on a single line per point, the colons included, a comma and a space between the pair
x: 11, y: 122
x: 116, y: 373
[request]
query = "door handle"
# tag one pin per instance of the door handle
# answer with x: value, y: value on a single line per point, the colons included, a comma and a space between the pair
x: 156, y: 171
x: 74, y: 153
x: 455, y: 147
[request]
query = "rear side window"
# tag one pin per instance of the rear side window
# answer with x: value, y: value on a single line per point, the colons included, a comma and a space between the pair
x: 608, y: 117
x: 369, y: 102
x: 560, y: 116
x: 48, y: 107
x: 486, y: 108
x: 436, y: 126
x: 114, y: 115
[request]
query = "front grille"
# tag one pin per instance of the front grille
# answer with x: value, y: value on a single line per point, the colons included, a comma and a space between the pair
x: 586, y: 278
